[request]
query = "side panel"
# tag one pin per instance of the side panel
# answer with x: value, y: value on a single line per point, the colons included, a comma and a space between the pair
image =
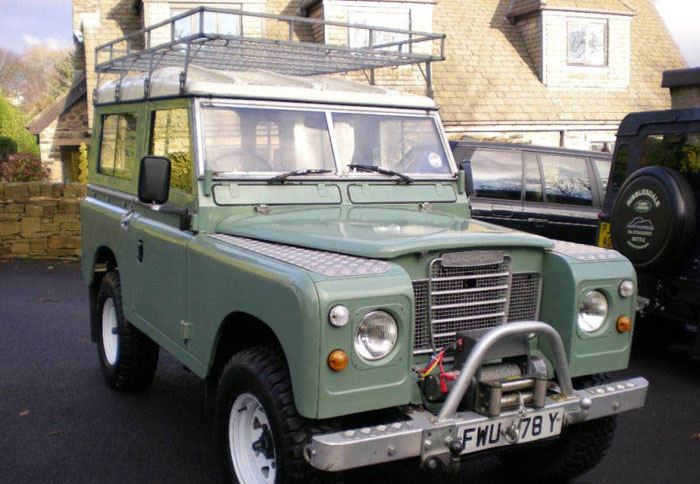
x: 222, y: 279
x: 566, y: 281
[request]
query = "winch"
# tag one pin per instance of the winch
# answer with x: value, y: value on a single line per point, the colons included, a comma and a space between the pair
x: 519, y: 378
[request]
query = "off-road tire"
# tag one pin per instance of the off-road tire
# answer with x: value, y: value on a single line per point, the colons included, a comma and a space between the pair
x: 579, y: 448
x: 136, y: 359
x: 263, y: 373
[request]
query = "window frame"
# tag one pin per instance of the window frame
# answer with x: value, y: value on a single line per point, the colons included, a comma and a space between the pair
x: 587, y: 22
x: 177, y: 197
x: 406, y: 12
x: 522, y: 173
x: 595, y: 200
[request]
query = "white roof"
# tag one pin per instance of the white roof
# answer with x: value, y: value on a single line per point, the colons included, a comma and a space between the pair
x: 258, y: 84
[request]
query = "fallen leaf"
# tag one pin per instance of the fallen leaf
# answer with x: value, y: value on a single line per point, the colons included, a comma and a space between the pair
x: 53, y: 432
x: 695, y: 436
x: 50, y: 268
x: 24, y: 413
x: 47, y: 300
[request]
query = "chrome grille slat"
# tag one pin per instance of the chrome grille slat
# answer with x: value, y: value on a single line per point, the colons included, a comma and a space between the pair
x: 474, y: 276
x: 476, y: 289
x: 469, y: 318
x: 455, y: 299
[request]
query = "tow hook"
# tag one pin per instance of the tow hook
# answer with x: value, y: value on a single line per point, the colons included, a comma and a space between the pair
x: 512, y: 433
x: 456, y: 448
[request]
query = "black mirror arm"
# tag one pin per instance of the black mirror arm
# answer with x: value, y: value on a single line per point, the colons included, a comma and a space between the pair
x: 466, y: 166
x: 183, y: 213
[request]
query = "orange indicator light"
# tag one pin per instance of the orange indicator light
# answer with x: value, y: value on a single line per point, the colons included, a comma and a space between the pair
x: 624, y: 324
x: 338, y: 360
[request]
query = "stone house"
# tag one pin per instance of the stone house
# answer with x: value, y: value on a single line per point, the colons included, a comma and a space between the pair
x: 685, y: 87
x: 552, y: 72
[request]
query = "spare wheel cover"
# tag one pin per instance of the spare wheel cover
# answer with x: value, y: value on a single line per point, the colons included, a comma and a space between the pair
x: 653, y: 219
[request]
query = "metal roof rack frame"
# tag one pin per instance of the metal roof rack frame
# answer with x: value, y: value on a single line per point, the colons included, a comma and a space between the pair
x: 239, y: 50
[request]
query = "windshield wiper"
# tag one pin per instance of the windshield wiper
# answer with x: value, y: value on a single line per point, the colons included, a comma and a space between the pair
x: 383, y: 171
x: 283, y: 176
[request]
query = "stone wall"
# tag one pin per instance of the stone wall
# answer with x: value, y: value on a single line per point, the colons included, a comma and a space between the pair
x: 40, y: 220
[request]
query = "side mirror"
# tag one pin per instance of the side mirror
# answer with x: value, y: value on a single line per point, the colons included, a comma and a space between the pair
x: 154, y: 179
x: 466, y: 167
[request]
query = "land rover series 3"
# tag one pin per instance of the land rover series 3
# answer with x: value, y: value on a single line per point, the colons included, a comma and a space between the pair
x: 305, y: 246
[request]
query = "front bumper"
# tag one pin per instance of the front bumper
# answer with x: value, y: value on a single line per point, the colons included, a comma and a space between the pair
x: 433, y: 438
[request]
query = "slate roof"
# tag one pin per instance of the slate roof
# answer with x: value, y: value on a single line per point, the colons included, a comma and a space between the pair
x: 490, y: 77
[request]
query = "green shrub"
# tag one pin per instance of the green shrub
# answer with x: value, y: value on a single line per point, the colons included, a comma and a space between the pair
x: 12, y: 126
x: 23, y: 167
x: 8, y: 146
x: 181, y: 171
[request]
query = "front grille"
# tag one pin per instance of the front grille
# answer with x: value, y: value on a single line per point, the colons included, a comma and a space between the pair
x: 524, y: 297
x: 456, y: 299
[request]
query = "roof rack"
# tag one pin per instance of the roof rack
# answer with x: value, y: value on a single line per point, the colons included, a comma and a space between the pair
x: 237, y: 40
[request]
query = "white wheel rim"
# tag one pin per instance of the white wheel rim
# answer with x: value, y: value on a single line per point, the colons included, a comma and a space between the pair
x: 248, y: 429
x: 110, y: 338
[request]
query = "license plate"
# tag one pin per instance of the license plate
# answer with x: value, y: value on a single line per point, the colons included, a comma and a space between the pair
x: 490, y: 434
x: 604, y: 239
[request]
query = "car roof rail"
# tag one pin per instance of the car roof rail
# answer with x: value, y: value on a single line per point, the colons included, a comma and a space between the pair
x: 254, y: 40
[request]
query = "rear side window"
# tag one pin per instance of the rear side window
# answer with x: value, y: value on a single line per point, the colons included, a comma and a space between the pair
x: 679, y: 151
x: 170, y: 137
x: 497, y: 174
x: 118, y: 145
x: 566, y: 180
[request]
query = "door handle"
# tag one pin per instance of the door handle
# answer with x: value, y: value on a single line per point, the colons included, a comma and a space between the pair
x: 126, y: 218
x: 539, y: 222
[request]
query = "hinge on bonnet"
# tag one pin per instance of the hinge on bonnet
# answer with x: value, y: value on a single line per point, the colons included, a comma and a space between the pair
x: 263, y: 209
x: 426, y: 207
x: 185, y: 330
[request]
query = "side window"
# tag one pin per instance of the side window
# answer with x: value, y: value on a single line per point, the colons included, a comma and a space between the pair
x: 170, y: 137
x: 533, y: 179
x: 603, y: 168
x: 497, y: 174
x: 566, y: 180
x: 680, y: 151
x: 619, y: 173
x: 118, y: 145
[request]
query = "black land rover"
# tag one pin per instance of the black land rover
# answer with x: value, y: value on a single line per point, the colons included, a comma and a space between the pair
x: 650, y: 210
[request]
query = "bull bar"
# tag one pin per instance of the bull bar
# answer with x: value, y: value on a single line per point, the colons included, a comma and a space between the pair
x: 432, y: 438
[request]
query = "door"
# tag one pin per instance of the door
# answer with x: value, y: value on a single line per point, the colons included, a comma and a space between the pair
x: 568, y: 208
x: 498, y: 186
x: 160, y: 244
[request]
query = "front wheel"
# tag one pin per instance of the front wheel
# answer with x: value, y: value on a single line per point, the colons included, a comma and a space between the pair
x: 261, y: 437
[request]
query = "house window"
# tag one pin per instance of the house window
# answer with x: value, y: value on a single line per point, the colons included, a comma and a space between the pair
x: 118, y: 145
x: 587, y: 43
x: 214, y: 22
x: 360, y: 38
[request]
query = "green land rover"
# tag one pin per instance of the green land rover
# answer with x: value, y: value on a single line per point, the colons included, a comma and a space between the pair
x: 304, y: 245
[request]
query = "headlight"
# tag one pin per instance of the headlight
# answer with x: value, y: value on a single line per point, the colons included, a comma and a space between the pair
x: 592, y: 312
x: 626, y: 288
x: 376, y: 335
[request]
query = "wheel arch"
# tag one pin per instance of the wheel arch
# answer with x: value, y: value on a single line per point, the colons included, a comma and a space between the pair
x: 103, y: 261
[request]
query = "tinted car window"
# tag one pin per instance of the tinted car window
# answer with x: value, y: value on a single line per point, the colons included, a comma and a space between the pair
x: 566, y: 180
x: 497, y: 174
x: 603, y: 169
x: 533, y: 179
x: 679, y: 151
x: 619, y: 173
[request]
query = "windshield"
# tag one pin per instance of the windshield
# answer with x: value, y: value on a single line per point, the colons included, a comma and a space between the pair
x: 405, y: 144
x: 252, y: 140
x: 240, y: 140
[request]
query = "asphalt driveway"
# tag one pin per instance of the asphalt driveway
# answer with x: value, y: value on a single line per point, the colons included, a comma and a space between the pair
x: 60, y: 423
